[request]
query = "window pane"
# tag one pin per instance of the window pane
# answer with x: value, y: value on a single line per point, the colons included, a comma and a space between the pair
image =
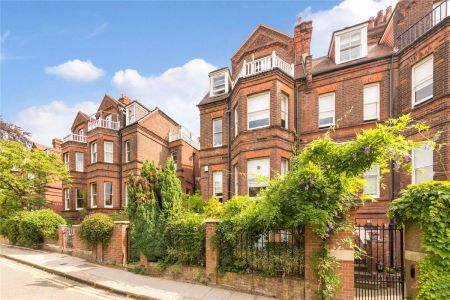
x: 371, y: 185
x: 259, y: 120
x: 371, y: 111
x: 423, y: 93
x: 423, y: 156
x: 258, y: 172
x: 258, y: 102
x: 217, y: 125
x: 423, y: 174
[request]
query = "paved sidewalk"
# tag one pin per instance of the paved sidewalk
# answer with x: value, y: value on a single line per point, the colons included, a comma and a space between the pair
x: 117, y: 280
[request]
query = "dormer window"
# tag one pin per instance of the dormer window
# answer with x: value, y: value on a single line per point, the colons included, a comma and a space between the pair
x: 350, y: 44
x: 219, y: 82
x: 130, y: 114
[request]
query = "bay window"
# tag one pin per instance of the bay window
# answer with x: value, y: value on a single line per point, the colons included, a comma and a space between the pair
x: 108, y: 194
x: 236, y: 121
x: 284, y: 111
x: 80, y: 199
x: 108, y: 152
x: 236, y: 179
x: 258, y: 110
x: 66, y: 159
x: 93, y: 195
x: 93, y: 153
x: 66, y: 199
x: 79, y: 162
x: 284, y: 166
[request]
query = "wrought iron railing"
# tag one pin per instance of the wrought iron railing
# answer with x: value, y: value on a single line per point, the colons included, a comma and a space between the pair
x: 74, y: 138
x: 426, y: 23
x: 272, y: 253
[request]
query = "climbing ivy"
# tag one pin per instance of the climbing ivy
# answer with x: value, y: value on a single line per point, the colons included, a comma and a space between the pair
x: 428, y: 205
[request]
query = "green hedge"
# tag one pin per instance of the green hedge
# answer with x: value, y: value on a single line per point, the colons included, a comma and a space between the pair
x: 30, y: 228
x: 97, y: 228
x: 185, y: 239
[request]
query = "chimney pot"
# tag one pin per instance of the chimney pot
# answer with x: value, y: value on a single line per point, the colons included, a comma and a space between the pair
x: 371, y: 23
x: 379, y: 19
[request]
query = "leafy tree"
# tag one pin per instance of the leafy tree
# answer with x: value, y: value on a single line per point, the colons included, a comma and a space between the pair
x: 24, y: 175
x: 13, y: 133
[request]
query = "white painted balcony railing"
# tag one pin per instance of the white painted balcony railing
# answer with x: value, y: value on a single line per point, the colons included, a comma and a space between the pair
x: 74, y: 138
x: 102, y: 123
x: 265, y: 64
x: 186, y: 136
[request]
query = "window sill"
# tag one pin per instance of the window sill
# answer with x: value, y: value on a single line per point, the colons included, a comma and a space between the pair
x: 419, y: 104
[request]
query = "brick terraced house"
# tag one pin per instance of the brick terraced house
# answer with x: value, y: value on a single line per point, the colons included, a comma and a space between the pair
x: 393, y: 64
x: 104, y: 148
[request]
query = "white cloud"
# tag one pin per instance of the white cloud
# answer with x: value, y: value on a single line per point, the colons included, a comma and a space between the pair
x: 177, y: 91
x: 346, y: 13
x: 99, y: 30
x: 51, y: 120
x: 76, y: 70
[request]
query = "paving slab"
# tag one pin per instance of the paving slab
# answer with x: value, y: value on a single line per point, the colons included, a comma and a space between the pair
x: 119, y: 280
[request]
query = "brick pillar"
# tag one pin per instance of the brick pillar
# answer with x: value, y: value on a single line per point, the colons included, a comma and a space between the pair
x: 344, y: 256
x: 212, y: 252
x: 62, y: 236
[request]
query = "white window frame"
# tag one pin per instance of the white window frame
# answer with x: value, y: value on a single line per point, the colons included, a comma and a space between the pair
x: 219, y: 143
x: 94, y: 152
x: 363, y: 43
x: 66, y: 159
x: 126, y: 194
x: 108, y: 156
x: 376, y: 174
x: 236, y: 121
x: 76, y: 199
x: 94, y: 194
x: 218, y: 184
x: 367, y: 102
x: 131, y: 114
x: 251, y: 176
x: 322, y: 98
x: 219, y: 89
x: 127, y: 151
x: 236, y: 179
x: 81, y: 132
x: 66, y: 198
x: 413, y: 83
x: 104, y: 195
x: 265, y: 110
x: 413, y: 164
x: 284, y: 167
x: 79, y: 164
x: 284, y: 110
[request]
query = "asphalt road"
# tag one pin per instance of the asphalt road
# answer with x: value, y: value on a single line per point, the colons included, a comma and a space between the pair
x: 18, y: 281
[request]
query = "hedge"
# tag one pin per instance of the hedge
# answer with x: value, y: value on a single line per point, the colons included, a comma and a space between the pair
x: 97, y: 228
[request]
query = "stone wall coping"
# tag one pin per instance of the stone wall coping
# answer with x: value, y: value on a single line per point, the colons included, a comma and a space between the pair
x: 211, y: 221
x: 63, y: 225
x: 122, y: 222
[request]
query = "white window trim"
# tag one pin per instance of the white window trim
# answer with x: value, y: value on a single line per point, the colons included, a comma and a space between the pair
x: 66, y: 198
x: 268, y: 109
x: 212, y: 92
x: 96, y: 193
x: 236, y: 121
x: 284, y: 98
x: 377, y: 195
x: 214, y: 132
x: 236, y: 179
x: 413, y: 89
x: 221, y: 183
x: 66, y: 161
x: 284, y: 160
x: 337, y: 50
x: 248, y: 177
x: 378, y: 101
x: 104, y: 195
x: 413, y: 175
x: 127, y: 152
x: 76, y: 199
x: 126, y: 194
x: 334, y: 110
x: 105, y: 152
x: 94, y: 145
x: 133, y: 114
x: 76, y: 162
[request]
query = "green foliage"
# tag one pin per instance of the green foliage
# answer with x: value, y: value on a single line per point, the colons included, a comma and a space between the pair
x: 96, y: 229
x: 428, y: 205
x: 194, y: 203
x: 10, y: 226
x: 213, y: 208
x: 120, y: 216
x: 24, y: 175
x: 324, y: 266
x: 37, y: 225
x: 153, y: 197
x: 185, y: 239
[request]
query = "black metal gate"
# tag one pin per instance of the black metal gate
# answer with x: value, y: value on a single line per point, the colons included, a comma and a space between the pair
x: 379, y: 267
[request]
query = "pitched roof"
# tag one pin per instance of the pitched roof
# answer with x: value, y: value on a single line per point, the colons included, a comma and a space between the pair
x: 80, y: 118
x: 207, y: 99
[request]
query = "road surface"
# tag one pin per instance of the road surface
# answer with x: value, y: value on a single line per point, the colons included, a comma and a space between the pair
x: 18, y: 281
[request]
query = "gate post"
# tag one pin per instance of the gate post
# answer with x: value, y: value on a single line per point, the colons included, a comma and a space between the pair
x: 211, y: 251
x: 344, y: 256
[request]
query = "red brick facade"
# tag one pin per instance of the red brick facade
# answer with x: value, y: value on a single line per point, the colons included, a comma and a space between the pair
x: 150, y: 135
x: 385, y: 64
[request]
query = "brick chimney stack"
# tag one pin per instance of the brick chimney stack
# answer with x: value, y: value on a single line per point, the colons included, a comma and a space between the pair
x: 371, y: 23
x: 302, y: 40
x: 379, y: 18
x: 387, y: 14
x: 56, y: 144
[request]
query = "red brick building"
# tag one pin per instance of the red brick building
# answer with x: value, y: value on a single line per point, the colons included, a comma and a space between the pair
x: 392, y: 64
x: 104, y: 148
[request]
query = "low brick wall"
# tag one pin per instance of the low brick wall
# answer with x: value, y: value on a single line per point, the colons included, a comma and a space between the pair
x: 114, y: 253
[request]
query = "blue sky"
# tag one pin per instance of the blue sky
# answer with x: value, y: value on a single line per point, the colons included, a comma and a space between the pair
x: 59, y: 57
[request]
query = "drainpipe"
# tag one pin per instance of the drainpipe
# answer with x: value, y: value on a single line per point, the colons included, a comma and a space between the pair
x: 229, y: 147
x: 193, y: 172
x: 391, y: 167
x: 120, y: 169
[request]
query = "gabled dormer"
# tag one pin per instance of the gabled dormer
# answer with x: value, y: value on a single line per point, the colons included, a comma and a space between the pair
x: 349, y: 44
x: 219, y: 82
x: 134, y: 112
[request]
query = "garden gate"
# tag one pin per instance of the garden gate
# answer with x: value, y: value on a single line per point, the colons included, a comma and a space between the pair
x: 379, y: 270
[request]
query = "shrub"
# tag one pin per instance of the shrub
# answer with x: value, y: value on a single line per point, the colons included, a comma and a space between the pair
x: 37, y: 225
x: 185, y: 239
x: 96, y: 228
x: 10, y: 226
x: 194, y: 203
